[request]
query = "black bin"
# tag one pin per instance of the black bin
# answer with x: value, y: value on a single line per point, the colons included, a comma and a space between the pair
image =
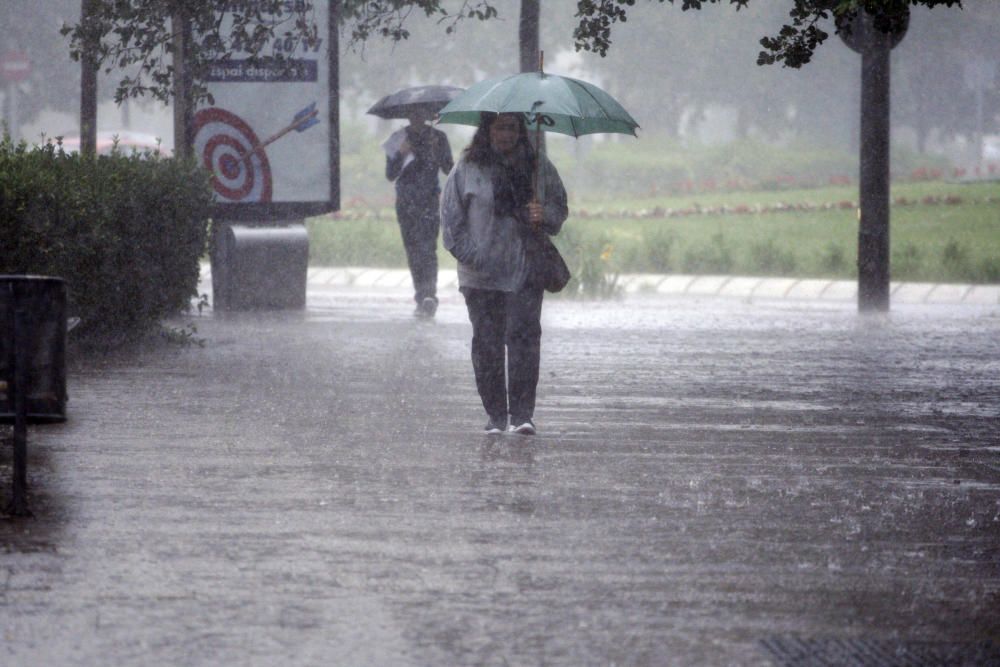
x: 38, y: 305
x: 258, y: 267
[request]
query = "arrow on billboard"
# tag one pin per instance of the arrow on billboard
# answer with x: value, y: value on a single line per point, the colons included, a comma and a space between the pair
x: 301, y: 122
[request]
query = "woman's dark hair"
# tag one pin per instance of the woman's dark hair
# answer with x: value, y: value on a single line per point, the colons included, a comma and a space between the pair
x: 511, y: 180
x: 480, y: 151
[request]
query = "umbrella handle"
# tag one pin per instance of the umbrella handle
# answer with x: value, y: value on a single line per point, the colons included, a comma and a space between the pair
x: 538, y: 162
x: 538, y: 138
x: 538, y: 133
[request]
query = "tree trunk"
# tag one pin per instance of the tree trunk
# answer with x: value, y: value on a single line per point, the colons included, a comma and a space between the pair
x: 873, y: 228
x: 88, y: 81
x: 183, y: 103
x: 528, y: 41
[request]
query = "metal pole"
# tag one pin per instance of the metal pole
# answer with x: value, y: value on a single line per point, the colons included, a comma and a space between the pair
x: 333, y: 59
x: 873, y: 228
x: 19, y: 500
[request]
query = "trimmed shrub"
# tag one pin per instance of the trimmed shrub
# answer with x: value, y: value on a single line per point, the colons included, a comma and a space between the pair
x: 769, y: 259
x: 989, y: 270
x: 906, y: 261
x: 658, y: 244
x: 125, y: 231
x: 590, y: 260
x: 955, y: 260
x: 370, y: 241
x: 833, y: 260
x: 716, y: 257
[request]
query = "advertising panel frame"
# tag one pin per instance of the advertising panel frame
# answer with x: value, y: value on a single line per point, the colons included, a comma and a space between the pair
x: 269, y: 212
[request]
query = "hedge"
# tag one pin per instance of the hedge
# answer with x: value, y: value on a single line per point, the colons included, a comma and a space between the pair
x: 125, y: 231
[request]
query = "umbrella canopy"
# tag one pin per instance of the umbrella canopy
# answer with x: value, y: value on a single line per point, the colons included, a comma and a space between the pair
x: 402, y: 103
x: 550, y: 102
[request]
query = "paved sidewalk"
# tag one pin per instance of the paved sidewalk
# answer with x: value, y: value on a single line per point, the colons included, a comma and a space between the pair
x: 715, y: 482
x: 738, y: 287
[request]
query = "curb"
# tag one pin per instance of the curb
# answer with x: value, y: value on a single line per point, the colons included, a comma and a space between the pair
x: 738, y: 287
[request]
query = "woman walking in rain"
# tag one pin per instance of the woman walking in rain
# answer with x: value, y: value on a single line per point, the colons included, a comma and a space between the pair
x: 413, y: 164
x: 489, y: 214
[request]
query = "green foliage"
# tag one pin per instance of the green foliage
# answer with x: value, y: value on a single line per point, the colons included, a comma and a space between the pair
x: 959, y: 264
x: 626, y: 167
x: 656, y: 251
x: 905, y: 261
x: 373, y: 241
x: 774, y: 167
x: 794, y: 44
x: 125, y: 231
x: 989, y: 270
x: 771, y: 260
x: 138, y: 38
x: 657, y: 171
x: 713, y: 257
x: 833, y: 260
x: 656, y: 166
x: 954, y: 256
x: 590, y: 261
x: 823, y: 242
x: 813, y: 243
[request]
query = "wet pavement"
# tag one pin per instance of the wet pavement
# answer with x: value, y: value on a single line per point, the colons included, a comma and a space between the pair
x: 715, y: 482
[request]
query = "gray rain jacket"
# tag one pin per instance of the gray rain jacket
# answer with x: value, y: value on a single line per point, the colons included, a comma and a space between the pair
x: 492, y: 252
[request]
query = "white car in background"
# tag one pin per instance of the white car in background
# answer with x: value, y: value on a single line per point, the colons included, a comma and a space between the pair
x: 126, y: 140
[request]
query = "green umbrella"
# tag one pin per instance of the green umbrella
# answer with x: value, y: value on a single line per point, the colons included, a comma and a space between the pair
x: 550, y: 103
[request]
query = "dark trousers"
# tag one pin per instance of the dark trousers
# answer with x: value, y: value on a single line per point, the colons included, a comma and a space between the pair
x: 511, y: 319
x: 419, y: 223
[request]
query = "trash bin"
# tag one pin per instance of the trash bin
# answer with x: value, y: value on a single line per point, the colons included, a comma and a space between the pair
x: 38, y: 304
x: 260, y: 267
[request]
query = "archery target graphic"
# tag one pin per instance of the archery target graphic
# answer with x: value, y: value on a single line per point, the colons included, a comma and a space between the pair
x: 228, y: 147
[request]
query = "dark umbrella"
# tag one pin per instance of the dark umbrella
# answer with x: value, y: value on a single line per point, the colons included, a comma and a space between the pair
x: 418, y: 98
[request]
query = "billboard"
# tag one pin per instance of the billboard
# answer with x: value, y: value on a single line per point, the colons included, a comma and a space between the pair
x: 269, y: 136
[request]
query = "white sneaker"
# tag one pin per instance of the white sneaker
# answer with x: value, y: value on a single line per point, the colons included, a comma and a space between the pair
x: 522, y: 427
x: 495, y: 426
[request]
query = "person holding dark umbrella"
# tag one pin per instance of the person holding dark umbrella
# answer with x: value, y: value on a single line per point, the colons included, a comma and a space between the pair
x: 414, y: 155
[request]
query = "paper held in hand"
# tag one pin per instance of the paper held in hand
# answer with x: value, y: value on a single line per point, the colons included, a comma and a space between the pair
x: 392, y: 145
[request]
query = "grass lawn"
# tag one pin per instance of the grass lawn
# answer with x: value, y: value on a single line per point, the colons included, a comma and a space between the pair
x: 948, y: 232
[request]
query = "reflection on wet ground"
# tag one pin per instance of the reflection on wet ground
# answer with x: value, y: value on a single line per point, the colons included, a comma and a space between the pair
x: 314, y: 488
